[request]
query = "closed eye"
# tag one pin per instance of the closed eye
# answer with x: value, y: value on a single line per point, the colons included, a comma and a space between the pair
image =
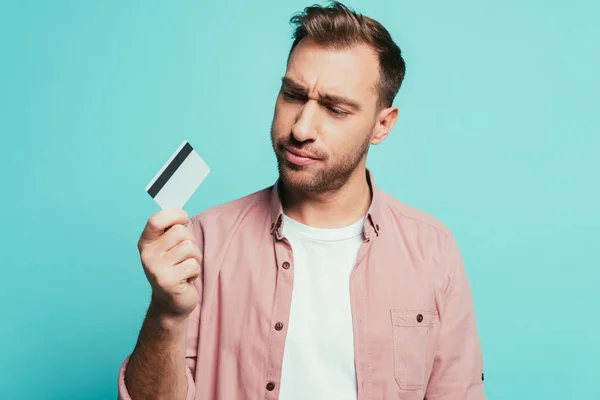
x: 291, y: 96
x: 336, y: 111
x: 295, y: 97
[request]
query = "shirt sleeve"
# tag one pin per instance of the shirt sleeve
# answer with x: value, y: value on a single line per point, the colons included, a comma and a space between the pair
x: 457, y: 372
x: 191, y: 348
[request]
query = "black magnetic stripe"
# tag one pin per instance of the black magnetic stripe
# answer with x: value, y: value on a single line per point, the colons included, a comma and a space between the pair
x: 170, y: 170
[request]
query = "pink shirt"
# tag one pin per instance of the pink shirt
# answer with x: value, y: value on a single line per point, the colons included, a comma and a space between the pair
x: 414, y: 323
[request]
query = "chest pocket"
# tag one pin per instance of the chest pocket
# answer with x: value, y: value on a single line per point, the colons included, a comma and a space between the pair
x: 411, y: 331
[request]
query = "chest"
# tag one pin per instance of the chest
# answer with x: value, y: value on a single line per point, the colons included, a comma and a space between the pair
x: 386, y: 296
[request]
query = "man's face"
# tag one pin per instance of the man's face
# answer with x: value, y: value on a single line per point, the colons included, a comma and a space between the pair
x: 325, y: 115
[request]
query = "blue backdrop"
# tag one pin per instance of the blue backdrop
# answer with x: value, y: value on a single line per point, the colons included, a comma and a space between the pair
x: 497, y: 136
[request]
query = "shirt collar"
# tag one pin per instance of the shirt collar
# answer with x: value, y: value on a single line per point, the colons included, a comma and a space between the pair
x: 372, y: 218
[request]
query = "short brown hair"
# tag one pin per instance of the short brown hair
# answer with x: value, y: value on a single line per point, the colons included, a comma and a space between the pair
x: 339, y: 27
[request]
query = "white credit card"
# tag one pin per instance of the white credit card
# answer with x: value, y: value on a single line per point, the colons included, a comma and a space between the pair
x: 179, y: 178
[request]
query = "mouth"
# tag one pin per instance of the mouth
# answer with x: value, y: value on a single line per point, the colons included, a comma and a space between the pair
x: 299, y: 157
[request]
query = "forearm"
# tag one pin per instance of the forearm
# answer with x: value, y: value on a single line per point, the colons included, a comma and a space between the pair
x: 157, y: 369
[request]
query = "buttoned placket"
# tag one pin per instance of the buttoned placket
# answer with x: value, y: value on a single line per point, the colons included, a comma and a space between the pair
x: 281, y: 309
x: 283, y: 299
x: 359, y: 312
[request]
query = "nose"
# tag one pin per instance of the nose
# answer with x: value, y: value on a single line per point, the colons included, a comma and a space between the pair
x: 305, y: 127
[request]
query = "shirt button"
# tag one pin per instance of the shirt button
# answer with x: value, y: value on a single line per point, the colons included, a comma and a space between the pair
x: 286, y: 265
x: 420, y: 318
x: 278, y: 326
x: 270, y: 386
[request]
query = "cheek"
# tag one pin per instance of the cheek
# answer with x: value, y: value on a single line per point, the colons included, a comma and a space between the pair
x: 345, y: 138
x: 276, y: 123
x: 283, y: 118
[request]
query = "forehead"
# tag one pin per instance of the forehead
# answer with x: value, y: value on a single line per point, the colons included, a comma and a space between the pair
x: 352, y: 71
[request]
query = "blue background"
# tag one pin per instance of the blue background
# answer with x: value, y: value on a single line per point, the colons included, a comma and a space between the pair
x: 498, y: 137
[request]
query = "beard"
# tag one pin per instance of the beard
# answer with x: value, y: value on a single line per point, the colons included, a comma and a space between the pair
x: 325, y: 175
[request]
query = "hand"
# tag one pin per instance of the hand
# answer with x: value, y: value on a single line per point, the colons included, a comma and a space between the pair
x: 171, y: 259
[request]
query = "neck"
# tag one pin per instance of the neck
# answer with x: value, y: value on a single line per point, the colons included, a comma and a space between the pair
x: 334, y: 209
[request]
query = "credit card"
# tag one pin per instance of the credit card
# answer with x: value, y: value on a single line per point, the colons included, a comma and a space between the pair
x: 179, y: 178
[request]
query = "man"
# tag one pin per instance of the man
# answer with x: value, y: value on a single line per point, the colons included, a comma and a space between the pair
x: 322, y: 286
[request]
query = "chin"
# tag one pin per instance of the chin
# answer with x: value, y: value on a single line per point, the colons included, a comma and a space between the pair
x: 299, y: 177
x: 294, y: 173
x: 307, y: 180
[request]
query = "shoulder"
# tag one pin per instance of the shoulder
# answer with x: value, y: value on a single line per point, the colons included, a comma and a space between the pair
x: 412, y: 216
x: 423, y: 233
x: 428, y: 240
x: 226, y: 214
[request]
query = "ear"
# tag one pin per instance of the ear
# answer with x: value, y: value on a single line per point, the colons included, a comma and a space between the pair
x: 384, y: 124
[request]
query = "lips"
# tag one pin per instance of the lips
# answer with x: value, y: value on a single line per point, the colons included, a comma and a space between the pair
x: 299, y: 157
x: 301, y: 153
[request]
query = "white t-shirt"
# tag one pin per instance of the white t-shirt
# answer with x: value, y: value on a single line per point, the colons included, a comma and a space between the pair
x: 318, y: 360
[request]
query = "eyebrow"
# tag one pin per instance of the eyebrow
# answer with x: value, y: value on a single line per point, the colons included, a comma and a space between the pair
x: 295, y: 86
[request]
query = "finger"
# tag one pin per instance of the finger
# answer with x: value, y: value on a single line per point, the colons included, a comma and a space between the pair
x: 188, y: 270
x: 175, y: 235
x: 161, y: 221
x: 183, y: 251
